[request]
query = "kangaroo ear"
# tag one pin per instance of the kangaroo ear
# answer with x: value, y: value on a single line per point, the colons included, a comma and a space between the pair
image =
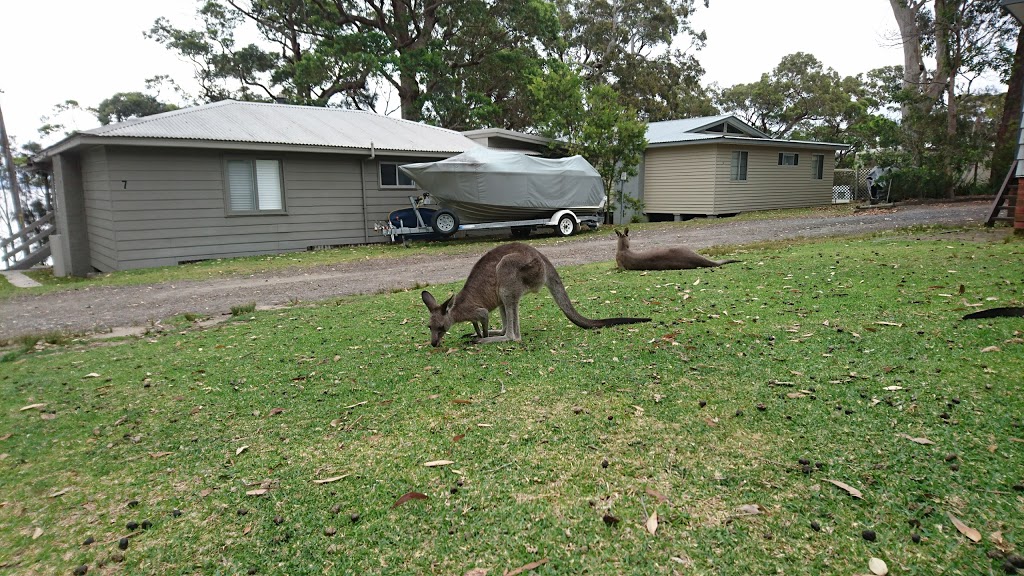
x: 447, y: 305
x: 626, y: 233
x: 617, y: 233
x: 428, y: 299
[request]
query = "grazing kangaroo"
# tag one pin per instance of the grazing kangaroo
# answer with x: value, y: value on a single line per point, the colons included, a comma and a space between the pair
x: 499, y: 280
x: 670, y: 258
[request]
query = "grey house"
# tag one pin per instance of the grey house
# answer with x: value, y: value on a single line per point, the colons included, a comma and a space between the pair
x: 719, y: 165
x: 230, y: 179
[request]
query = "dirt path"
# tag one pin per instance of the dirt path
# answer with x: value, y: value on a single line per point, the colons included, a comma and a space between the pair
x: 101, y: 309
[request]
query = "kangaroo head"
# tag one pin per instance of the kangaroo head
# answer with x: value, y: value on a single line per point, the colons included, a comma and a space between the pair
x: 440, y: 317
x: 623, y: 239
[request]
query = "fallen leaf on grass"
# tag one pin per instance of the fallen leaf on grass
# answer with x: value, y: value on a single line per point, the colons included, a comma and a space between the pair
x: 247, y: 529
x: 527, y: 567
x: 5, y: 437
x: 241, y: 449
x: 920, y: 440
x: 458, y: 437
x: 477, y: 572
x: 964, y: 529
x: 461, y: 401
x: 889, y: 324
x: 159, y: 454
x: 652, y: 523
x: 349, y: 407
x: 750, y: 509
x: 60, y: 493
x: 408, y: 496
x: 435, y: 463
x: 31, y: 406
x: 331, y: 479
x: 91, y: 375
x: 991, y: 349
x: 195, y: 410
x: 878, y: 567
x: 999, y: 542
x: 661, y: 498
x: 256, y: 492
x: 37, y: 533
x: 892, y: 388
x: 275, y: 411
x: 849, y: 489
x: 47, y: 416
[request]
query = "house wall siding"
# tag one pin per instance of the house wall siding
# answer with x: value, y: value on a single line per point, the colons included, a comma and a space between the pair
x: 769, y: 186
x: 98, y: 210
x: 679, y: 180
x: 168, y: 206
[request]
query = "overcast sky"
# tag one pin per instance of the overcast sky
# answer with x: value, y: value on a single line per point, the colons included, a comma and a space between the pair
x: 61, y: 50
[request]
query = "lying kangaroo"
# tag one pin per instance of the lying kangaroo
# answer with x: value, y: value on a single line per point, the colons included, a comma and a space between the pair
x: 670, y: 258
x: 499, y: 280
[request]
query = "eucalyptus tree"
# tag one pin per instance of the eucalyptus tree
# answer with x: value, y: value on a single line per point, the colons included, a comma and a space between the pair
x: 445, y: 60
x: 644, y: 49
x: 799, y: 91
x: 967, y: 39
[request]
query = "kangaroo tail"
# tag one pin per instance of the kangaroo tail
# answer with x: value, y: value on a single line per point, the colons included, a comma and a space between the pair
x: 1009, y: 312
x: 721, y: 262
x: 557, y: 288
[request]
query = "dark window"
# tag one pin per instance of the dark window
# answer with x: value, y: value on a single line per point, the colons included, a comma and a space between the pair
x: 789, y: 159
x: 738, y: 167
x: 391, y: 176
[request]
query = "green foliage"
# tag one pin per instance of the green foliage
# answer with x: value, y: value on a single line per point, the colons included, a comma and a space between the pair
x: 592, y: 122
x: 125, y: 105
x: 690, y: 416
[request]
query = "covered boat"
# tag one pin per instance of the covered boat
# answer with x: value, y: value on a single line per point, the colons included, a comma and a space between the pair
x: 485, y: 185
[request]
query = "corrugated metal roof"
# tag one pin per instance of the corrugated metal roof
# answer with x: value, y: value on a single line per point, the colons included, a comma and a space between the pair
x: 264, y: 123
x: 688, y: 129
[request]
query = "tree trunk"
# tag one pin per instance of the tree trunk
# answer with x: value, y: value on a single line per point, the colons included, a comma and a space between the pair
x: 12, y: 174
x: 1009, y: 123
x: 910, y: 33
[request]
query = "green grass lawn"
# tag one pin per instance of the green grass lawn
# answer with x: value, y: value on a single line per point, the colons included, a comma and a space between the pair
x: 755, y: 385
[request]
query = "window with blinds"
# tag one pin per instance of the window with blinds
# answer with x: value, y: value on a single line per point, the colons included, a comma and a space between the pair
x: 254, y: 185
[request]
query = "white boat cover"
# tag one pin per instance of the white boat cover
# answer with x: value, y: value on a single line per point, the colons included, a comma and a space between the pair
x: 491, y: 178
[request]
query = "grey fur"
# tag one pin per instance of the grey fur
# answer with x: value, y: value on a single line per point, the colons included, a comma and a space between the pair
x: 499, y: 280
x: 669, y: 258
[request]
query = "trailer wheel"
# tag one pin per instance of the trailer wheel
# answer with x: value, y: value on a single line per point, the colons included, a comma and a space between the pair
x: 445, y: 222
x: 567, y: 226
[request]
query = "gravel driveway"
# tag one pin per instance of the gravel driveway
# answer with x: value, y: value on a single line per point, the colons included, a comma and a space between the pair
x: 102, y: 309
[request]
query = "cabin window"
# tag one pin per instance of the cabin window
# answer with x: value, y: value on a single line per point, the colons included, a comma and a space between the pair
x: 254, y: 186
x: 789, y: 159
x: 738, y: 168
x: 817, y: 166
x: 392, y: 177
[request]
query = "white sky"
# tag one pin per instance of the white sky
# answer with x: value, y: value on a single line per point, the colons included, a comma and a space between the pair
x: 61, y: 50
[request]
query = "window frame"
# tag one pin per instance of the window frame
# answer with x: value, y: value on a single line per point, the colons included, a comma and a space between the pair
x: 783, y: 156
x: 739, y: 160
x: 817, y: 166
x: 399, y: 176
x: 229, y: 208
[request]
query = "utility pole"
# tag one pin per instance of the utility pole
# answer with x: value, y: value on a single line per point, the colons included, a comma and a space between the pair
x: 12, y: 175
